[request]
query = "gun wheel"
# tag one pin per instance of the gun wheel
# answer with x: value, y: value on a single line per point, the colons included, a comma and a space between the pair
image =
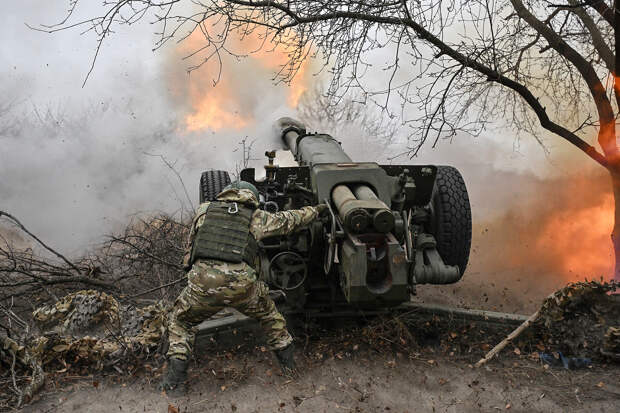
x: 212, y: 183
x: 451, y: 217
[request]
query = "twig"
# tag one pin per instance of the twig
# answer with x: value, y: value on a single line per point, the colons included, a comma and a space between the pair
x: 10, y: 314
x: 159, y: 288
x: 50, y: 249
x: 495, y: 350
x: 17, y: 390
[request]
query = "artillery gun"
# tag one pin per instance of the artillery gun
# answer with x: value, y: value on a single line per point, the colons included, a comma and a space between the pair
x: 389, y: 227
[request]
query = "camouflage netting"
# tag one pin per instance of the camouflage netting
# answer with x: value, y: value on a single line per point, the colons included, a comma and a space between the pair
x: 582, y: 320
x: 86, y: 328
x: 90, y: 326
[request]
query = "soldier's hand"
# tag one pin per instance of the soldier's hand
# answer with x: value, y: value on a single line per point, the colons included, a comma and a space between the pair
x: 321, y: 209
x: 186, y: 264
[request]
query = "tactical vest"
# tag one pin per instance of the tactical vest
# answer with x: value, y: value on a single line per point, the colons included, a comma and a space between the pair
x: 225, y: 234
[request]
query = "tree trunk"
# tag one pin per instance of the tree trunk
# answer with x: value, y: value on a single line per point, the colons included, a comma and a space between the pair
x: 615, y: 234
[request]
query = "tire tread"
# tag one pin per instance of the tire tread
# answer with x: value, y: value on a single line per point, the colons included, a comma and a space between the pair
x: 452, y: 221
x: 212, y: 183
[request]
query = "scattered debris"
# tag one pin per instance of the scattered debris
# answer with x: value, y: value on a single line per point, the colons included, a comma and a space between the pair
x: 569, y: 363
x: 580, y: 320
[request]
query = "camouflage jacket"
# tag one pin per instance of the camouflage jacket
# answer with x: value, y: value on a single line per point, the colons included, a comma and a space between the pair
x: 264, y: 224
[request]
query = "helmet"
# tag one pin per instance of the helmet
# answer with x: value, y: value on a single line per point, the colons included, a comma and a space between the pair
x: 243, y: 185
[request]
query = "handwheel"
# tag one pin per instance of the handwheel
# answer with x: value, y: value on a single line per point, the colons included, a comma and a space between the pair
x: 288, y: 270
x: 330, y: 241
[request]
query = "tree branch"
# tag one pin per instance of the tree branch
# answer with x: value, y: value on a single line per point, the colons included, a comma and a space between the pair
x: 598, y: 5
x: 607, y: 138
x: 598, y: 41
x: 56, y: 253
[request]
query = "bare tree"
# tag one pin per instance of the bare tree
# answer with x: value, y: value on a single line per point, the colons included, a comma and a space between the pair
x: 244, y: 148
x: 533, y: 65
x: 323, y: 111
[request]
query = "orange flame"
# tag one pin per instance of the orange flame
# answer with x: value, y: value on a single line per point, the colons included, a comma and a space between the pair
x: 276, y: 60
x: 562, y: 234
x: 223, y: 103
x: 213, y: 110
x: 579, y: 238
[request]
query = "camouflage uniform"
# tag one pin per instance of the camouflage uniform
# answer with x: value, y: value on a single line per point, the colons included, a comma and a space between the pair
x: 214, y: 284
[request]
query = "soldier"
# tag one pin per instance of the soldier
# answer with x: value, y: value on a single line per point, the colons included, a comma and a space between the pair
x: 223, y: 263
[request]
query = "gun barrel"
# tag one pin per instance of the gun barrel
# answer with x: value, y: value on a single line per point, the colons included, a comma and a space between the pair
x: 310, y: 149
x: 358, y: 208
x: 290, y: 140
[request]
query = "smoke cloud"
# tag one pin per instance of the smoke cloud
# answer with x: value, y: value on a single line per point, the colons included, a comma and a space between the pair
x: 75, y: 162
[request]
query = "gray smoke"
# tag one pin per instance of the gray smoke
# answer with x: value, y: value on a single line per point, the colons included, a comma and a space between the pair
x: 75, y: 162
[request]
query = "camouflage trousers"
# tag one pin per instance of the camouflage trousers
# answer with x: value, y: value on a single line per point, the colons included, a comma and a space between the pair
x: 213, y: 285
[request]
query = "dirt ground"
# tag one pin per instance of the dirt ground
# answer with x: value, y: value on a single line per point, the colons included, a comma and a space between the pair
x: 343, y: 369
x: 352, y: 366
x: 515, y: 290
x: 362, y: 381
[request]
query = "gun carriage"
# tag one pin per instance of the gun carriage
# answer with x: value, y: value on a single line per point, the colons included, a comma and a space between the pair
x: 389, y: 227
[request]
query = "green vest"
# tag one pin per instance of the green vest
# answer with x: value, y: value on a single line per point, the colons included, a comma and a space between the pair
x: 225, y: 234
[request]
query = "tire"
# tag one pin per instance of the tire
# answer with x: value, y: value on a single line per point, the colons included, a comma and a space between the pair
x: 212, y: 183
x: 451, y: 217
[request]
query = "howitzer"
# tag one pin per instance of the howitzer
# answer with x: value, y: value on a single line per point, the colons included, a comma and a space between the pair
x: 389, y: 227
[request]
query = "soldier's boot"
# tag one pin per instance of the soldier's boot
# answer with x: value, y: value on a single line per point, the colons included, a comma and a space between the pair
x: 174, y: 379
x: 287, y: 361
